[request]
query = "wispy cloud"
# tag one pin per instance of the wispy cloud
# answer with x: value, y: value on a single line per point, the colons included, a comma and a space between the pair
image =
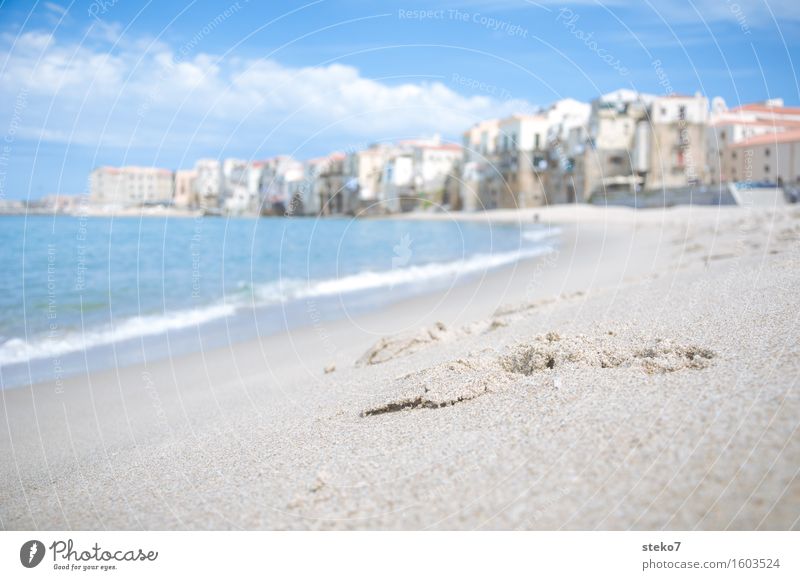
x: 57, y: 8
x: 147, y: 93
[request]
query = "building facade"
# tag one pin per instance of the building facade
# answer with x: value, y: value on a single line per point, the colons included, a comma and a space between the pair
x: 772, y: 158
x: 131, y: 186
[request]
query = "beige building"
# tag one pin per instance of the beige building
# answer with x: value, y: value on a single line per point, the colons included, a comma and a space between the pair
x: 364, y: 175
x: 330, y: 185
x: 768, y: 158
x: 516, y: 176
x: 729, y: 127
x: 669, y: 149
x: 130, y: 186
x: 185, y: 192
x: 478, y: 149
x: 607, y: 162
x: 323, y: 184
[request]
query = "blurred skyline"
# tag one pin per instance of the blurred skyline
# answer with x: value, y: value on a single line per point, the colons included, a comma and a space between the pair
x: 86, y: 84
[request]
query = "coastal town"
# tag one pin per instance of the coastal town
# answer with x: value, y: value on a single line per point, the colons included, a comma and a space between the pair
x: 624, y: 143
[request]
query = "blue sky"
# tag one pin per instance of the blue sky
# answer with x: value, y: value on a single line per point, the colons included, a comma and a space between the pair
x: 85, y: 84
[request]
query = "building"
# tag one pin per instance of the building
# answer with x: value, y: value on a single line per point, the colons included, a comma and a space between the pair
x: 607, y: 161
x: 364, y: 175
x: 255, y: 171
x: 208, y: 183
x: 435, y: 166
x: 185, y: 190
x: 310, y: 190
x: 330, y: 185
x: 729, y: 127
x: 236, y: 193
x: 398, y: 184
x: 524, y: 160
x: 767, y: 158
x: 568, y: 130
x: 669, y: 149
x: 130, y: 186
x: 280, y: 186
x: 478, y: 150
x: 516, y: 173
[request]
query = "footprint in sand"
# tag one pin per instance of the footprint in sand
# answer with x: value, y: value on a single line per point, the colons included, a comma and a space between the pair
x: 454, y: 382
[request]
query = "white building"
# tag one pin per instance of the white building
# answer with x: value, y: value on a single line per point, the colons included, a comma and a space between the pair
x: 130, y: 186
x: 240, y: 186
x: 433, y: 165
x: 280, y: 185
x: 567, y: 120
x: 398, y: 184
x: 209, y: 182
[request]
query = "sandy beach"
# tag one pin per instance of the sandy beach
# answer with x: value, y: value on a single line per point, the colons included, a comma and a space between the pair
x: 642, y: 376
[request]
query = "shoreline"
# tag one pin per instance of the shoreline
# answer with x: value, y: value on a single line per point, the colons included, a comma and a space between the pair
x: 243, y: 322
x: 258, y: 435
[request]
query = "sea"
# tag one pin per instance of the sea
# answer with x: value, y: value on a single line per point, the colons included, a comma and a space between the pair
x: 80, y: 294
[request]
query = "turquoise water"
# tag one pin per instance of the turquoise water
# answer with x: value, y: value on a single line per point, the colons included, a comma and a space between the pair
x: 74, y: 286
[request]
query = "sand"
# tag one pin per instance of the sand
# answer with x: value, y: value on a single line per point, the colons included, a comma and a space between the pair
x: 643, y: 376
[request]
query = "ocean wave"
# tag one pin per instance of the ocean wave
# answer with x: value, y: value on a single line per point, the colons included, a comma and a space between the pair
x: 417, y: 275
x: 541, y: 234
x: 18, y: 350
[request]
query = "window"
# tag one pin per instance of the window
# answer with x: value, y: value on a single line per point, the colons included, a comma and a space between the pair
x: 536, y: 142
x: 766, y: 152
x: 682, y: 113
x: 766, y: 169
x: 733, y: 154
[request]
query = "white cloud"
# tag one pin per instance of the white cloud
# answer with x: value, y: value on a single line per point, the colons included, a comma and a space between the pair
x: 58, y: 9
x: 141, y: 94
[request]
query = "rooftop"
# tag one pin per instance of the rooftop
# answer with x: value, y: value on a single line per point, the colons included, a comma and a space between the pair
x: 771, y: 138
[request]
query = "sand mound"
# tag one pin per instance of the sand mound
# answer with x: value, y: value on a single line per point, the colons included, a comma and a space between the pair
x: 551, y: 351
x: 392, y: 347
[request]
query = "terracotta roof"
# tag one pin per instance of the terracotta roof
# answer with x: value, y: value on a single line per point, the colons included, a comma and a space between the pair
x: 774, y: 138
x: 776, y: 123
x: 756, y: 107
